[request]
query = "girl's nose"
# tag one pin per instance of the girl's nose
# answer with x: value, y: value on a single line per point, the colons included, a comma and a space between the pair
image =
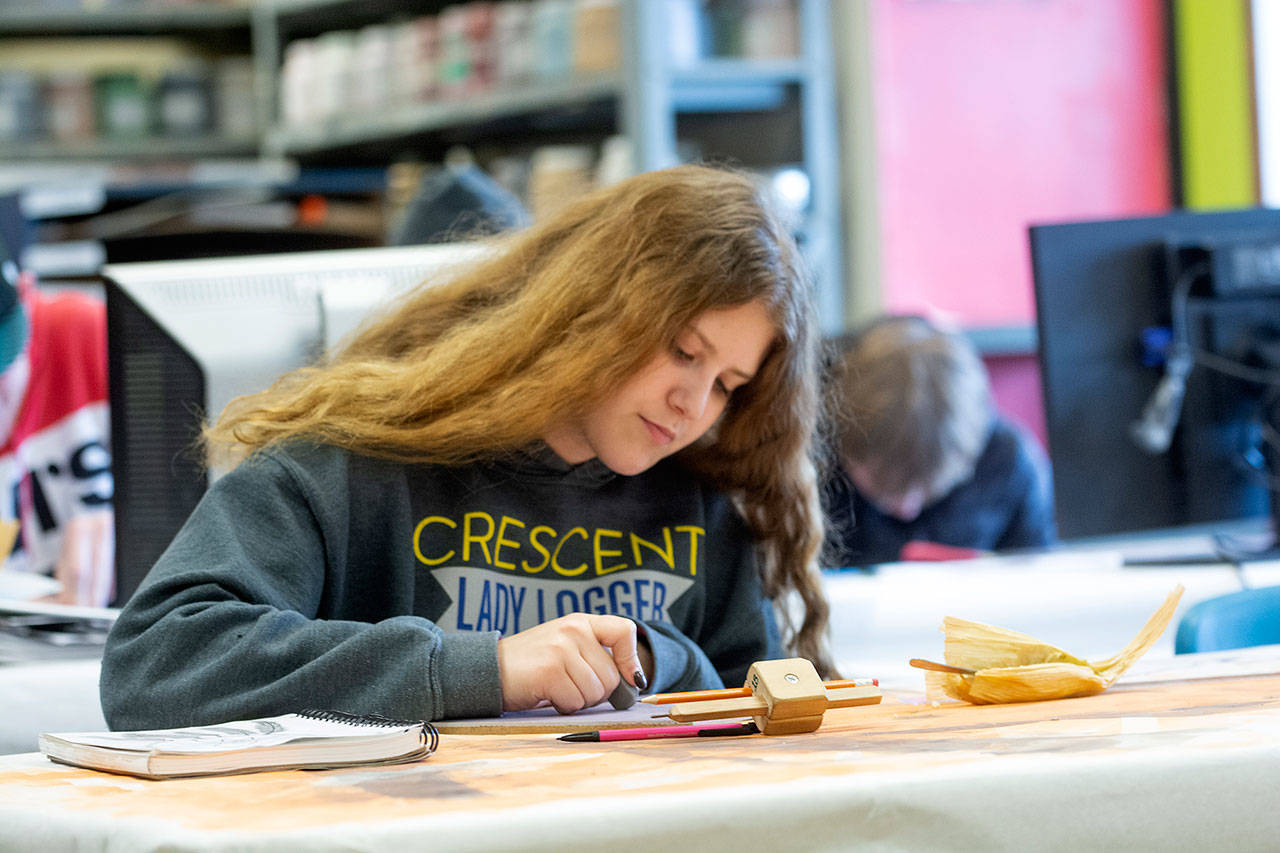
x: 689, y: 397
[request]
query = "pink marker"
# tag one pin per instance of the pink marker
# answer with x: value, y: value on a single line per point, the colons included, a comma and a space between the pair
x: 653, y: 732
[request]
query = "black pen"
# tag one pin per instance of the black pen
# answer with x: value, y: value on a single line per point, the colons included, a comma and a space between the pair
x: 654, y: 732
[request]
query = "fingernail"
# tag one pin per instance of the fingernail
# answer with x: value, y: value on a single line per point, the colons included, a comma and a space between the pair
x: 640, y: 680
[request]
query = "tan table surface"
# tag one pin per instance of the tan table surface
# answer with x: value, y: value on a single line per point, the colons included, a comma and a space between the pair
x: 1189, y: 762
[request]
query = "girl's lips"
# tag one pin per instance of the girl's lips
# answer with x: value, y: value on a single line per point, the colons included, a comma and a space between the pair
x: 661, y: 435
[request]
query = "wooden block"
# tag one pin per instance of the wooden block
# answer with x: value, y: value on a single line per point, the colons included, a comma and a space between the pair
x: 717, y: 709
x: 789, y: 725
x: 790, y: 687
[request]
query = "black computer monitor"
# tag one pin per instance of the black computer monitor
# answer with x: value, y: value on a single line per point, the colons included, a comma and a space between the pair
x: 1157, y: 354
x: 185, y: 337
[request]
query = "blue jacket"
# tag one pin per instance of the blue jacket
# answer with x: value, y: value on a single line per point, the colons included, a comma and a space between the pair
x: 1006, y: 504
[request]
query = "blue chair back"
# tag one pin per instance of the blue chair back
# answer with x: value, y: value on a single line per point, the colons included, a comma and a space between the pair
x: 1250, y: 617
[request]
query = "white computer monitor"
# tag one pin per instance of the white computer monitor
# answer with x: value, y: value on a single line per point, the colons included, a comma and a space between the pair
x: 186, y: 337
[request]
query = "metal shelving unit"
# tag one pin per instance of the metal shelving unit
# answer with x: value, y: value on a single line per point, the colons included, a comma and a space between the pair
x: 651, y: 100
x: 37, y: 20
x: 146, y: 148
x: 421, y: 119
x: 758, y: 113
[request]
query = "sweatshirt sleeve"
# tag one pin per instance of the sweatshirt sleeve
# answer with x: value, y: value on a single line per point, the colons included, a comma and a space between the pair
x: 227, y: 625
x: 736, y: 626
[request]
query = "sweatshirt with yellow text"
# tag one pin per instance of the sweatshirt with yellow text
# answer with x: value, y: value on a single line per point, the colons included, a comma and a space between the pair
x: 310, y: 576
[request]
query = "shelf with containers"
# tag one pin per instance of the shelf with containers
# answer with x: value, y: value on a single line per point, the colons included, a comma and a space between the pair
x: 121, y: 123
x: 747, y: 82
x: 137, y: 81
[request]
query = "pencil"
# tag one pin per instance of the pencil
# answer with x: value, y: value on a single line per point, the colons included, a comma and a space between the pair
x: 738, y: 692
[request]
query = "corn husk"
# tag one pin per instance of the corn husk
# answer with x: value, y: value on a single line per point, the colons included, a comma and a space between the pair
x: 1013, y: 667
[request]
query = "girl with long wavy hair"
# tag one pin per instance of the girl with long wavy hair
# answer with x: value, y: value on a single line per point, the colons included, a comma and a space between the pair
x: 584, y: 458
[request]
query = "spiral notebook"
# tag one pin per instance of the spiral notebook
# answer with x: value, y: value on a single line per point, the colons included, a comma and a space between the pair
x: 309, y: 740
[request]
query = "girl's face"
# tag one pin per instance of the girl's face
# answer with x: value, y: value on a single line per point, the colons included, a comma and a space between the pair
x: 673, y: 399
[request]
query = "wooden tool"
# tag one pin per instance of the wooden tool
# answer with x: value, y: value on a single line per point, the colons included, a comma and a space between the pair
x: 940, y: 667
x: 787, y: 697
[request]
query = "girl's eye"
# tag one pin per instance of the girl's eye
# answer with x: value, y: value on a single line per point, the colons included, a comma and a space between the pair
x: 722, y: 388
x: 682, y: 355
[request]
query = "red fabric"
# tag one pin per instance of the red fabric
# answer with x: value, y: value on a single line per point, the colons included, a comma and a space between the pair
x: 68, y: 352
x: 920, y: 552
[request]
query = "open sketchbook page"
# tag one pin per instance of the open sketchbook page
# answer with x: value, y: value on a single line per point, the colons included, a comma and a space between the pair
x: 550, y: 721
x: 309, y: 739
x: 237, y: 735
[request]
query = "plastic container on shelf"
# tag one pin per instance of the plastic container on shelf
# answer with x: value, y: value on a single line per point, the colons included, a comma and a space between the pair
x: 20, y: 114
x: 123, y: 106
x: 770, y: 29
x: 333, y: 79
x: 466, y: 49
x: 597, y: 26
x: 552, y: 28
x: 481, y: 15
x: 416, y: 61
x: 752, y: 29
x: 513, y: 43
x: 371, y: 68
x: 235, y: 101
x: 184, y: 101
x: 455, y: 53
x: 298, y: 101
x: 69, y: 105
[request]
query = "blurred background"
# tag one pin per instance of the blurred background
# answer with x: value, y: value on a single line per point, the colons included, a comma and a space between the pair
x: 913, y: 141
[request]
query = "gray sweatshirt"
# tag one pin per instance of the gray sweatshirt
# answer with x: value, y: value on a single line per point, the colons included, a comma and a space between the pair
x: 314, y: 577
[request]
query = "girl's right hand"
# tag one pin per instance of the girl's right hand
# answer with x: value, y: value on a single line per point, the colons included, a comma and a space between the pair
x: 572, y: 662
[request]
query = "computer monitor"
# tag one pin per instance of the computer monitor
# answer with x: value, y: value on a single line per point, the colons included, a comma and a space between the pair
x: 186, y: 337
x: 1157, y: 354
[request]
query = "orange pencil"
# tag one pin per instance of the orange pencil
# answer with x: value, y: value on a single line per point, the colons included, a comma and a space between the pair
x: 738, y: 692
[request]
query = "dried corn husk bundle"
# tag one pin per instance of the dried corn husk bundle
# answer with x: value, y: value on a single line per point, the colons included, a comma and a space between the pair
x: 1013, y: 667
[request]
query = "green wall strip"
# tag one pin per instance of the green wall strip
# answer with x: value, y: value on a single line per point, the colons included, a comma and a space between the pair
x: 1215, y: 103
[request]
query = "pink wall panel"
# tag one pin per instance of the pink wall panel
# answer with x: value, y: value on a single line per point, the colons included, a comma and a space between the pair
x: 995, y: 114
x: 1015, y: 385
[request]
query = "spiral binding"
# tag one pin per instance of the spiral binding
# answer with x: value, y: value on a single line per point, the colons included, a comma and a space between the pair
x: 431, y: 736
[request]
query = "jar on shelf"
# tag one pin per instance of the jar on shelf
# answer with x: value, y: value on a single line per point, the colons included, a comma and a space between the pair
x: 371, y: 68
x: 184, y: 102
x: 122, y: 106
x: 20, y: 114
x: 416, y: 62
x: 552, y: 29
x: 235, y: 101
x: 69, y: 105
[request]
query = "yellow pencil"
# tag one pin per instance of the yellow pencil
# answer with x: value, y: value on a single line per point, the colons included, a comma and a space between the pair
x: 737, y: 692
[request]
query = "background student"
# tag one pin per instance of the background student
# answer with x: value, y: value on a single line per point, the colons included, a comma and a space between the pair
x: 921, y: 456
x: 55, y: 464
x: 585, y: 458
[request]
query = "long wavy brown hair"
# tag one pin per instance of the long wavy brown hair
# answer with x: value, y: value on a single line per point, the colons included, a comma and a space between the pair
x: 559, y: 314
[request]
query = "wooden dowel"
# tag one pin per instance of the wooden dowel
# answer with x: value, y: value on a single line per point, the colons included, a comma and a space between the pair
x: 939, y: 667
